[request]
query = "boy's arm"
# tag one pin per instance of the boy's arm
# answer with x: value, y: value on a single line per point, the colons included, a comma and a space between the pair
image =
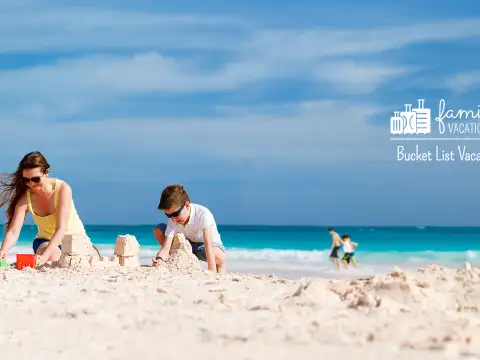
x: 355, y: 245
x: 207, y: 238
x: 164, y: 252
x: 208, y: 222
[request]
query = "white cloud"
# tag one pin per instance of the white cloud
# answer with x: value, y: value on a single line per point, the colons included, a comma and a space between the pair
x: 46, y: 28
x: 43, y: 26
x: 68, y: 87
x: 130, y: 73
x: 142, y: 72
x: 313, y: 133
x: 464, y: 82
x: 329, y: 55
x: 323, y: 43
x: 357, y: 77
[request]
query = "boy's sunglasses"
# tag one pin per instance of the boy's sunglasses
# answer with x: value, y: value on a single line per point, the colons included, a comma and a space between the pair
x: 35, y: 179
x: 176, y: 213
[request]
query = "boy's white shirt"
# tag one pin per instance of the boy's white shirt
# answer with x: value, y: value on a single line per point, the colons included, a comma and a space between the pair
x: 200, y: 218
x: 347, y: 246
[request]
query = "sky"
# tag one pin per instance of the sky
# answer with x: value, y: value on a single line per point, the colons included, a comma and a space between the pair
x: 269, y: 112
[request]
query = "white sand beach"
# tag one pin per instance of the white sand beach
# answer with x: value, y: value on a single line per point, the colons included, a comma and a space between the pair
x: 171, y: 313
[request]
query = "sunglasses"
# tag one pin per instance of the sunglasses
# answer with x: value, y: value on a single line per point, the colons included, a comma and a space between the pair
x: 176, y: 213
x: 35, y: 179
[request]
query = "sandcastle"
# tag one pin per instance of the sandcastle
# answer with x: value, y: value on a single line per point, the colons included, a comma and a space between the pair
x: 180, y: 243
x: 77, y: 251
x: 181, y: 256
x: 127, y: 251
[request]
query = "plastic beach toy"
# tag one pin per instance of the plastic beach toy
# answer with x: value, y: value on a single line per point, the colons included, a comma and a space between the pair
x: 26, y: 260
x: 3, y: 263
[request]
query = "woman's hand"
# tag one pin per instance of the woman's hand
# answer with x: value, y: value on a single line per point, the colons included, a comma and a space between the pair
x: 41, y: 259
x: 3, y: 254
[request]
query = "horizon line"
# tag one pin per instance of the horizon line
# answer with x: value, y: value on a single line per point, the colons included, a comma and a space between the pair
x: 285, y: 225
x: 437, y: 139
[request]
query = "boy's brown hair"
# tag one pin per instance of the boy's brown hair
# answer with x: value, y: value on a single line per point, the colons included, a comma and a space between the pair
x: 173, y: 196
x: 346, y: 237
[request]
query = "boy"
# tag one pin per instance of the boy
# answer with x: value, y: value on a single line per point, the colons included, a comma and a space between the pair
x: 348, y: 251
x: 335, y: 249
x: 196, y: 222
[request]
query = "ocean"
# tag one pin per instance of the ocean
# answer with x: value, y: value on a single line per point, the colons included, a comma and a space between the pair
x: 293, y: 251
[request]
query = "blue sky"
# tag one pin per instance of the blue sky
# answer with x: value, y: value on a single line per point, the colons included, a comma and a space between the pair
x: 269, y: 112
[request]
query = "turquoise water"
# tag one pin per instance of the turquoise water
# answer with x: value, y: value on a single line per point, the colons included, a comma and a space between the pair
x: 305, y: 249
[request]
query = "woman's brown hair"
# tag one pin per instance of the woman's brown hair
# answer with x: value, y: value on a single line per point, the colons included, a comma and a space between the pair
x: 13, y: 186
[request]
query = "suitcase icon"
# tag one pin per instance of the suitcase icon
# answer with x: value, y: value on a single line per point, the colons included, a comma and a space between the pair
x: 410, y: 120
x: 396, y: 123
x: 423, y: 118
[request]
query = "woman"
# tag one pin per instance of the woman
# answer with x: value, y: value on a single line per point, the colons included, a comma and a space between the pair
x: 50, y: 202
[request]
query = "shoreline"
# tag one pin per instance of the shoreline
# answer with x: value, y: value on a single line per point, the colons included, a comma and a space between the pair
x: 148, y: 312
x: 294, y: 264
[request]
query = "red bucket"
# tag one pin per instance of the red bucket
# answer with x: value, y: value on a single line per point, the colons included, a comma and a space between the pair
x: 26, y: 260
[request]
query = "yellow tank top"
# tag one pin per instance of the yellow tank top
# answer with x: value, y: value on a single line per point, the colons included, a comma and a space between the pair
x: 47, y: 224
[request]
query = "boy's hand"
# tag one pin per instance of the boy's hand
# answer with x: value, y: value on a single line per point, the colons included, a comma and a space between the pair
x: 158, y: 260
x: 212, y: 272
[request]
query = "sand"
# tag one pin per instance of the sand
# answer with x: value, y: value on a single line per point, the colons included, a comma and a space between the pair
x: 182, y: 311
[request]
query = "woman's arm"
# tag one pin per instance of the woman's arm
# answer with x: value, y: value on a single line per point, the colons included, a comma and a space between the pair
x: 13, y: 232
x: 63, y: 213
